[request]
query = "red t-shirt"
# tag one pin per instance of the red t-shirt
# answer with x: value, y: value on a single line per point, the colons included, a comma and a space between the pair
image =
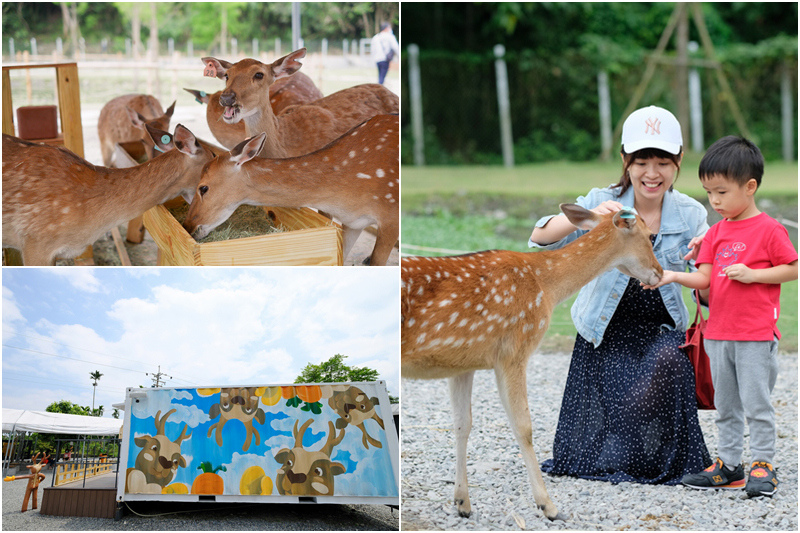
x: 741, y: 311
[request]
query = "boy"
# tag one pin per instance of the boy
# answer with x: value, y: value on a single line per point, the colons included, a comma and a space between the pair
x: 742, y: 260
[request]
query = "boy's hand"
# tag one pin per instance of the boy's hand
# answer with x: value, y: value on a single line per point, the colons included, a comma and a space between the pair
x: 667, y: 277
x: 739, y: 272
x: 694, y: 248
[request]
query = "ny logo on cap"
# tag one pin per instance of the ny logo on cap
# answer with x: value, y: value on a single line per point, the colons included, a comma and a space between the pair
x: 653, y: 123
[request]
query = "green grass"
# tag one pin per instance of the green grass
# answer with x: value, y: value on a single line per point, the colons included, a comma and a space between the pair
x: 566, y: 178
x: 463, y: 209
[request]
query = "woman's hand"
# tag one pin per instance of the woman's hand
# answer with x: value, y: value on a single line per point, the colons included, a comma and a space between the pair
x: 609, y: 206
x: 694, y: 248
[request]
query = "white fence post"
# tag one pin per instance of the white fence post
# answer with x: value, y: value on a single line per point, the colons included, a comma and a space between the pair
x: 504, y: 106
x: 787, y: 115
x: 695, y: 104
x: 415, y: 92
x: 604, y: 98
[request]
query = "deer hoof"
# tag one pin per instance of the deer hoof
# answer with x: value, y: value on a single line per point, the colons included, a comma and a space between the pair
x: 551, y: 512
x: 464, y: 508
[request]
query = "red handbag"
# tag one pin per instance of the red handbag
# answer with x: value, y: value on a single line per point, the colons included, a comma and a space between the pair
x: 697, y: 356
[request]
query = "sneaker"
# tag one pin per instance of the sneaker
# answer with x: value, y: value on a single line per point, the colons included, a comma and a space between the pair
x: 762, y: 480
x: 716, y: 476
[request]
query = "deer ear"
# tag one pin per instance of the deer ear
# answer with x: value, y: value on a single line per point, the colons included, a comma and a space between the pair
x: 215, y: 68
x: 580, y: 216
x: 137, y: 119
x: 170, y: 109
x: 248, y: 149
x: 625, y: 218
x: 288, y: 64
x: 337, y: 468
x: 185, y: 141
x: 200, y: 96
x: 161, y: 138
x: 282, y: 455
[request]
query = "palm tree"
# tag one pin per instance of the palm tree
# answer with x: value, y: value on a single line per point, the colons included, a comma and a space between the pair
x: 95, y: 376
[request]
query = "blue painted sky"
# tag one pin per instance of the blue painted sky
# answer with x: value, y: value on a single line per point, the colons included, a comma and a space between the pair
x: 204, y: 326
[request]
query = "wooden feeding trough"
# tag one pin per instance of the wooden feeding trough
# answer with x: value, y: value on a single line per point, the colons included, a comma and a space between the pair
x: 309, y: 239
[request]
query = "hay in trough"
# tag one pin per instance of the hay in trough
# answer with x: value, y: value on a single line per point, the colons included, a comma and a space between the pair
x: 246, y: 221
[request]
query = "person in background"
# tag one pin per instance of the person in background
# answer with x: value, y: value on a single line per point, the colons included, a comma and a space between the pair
x: 629, y: 410
x: 384, y: 47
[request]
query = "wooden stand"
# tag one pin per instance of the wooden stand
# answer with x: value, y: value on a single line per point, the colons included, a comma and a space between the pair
x: 69, y: 108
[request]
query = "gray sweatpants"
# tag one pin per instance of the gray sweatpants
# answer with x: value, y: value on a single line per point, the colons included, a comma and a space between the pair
x: 744, y: 375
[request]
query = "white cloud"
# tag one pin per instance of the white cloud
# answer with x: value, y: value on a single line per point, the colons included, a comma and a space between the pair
x: 83, y: 279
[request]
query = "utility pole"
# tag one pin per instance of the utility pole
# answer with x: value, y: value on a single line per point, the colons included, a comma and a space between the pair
x: 157, y: 377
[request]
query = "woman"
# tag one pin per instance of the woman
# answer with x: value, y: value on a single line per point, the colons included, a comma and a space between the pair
x: 629, y: 410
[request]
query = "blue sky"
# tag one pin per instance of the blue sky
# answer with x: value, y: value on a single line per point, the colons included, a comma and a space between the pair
x: 205, y: 327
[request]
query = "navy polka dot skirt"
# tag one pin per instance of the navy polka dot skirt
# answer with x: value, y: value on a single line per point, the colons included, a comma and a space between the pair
x: 628, y: 411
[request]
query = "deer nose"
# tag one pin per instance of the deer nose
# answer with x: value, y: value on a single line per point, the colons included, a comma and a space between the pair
x: 164, y: 462
x: 348, y: 407
x: 227, y: 99
x: 296, y: 478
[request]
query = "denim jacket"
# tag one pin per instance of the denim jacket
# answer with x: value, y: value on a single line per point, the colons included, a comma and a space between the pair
x: 682, y: 218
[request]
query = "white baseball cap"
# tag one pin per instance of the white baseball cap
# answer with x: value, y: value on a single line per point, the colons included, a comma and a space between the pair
x: 652, y: 127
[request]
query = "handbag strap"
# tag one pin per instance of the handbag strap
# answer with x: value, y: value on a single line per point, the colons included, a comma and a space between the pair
x: 698, y: 317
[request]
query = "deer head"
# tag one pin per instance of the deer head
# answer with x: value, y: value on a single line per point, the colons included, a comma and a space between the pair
x: 304, y: 472
x: 354, y: 408
x: 160, y: 457
x: 237, y: 404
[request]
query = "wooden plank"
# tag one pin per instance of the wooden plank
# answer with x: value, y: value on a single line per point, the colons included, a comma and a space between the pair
x: 69, y: 105
x: 8, y: 106
x: 38, y: 65
x: 121, y: 250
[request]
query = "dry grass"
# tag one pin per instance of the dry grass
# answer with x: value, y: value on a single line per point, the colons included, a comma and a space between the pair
x: 246, y: 221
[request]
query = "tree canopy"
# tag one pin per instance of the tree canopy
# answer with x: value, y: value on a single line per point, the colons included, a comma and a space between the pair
x: 334, y: 370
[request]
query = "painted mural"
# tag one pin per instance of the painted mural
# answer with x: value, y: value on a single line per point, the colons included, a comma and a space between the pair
x: 300, y: 440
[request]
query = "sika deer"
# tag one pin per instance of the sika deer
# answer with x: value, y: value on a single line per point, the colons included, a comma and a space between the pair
x: 123, y: 119
x: 490, y: 310
x: 307, y: 127
x: 284, y: 93
x: 354, y: 178
x: 56, y: 203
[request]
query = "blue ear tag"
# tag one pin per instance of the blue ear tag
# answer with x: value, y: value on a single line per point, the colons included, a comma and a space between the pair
x: 165, y: 139
x: 628, y: 212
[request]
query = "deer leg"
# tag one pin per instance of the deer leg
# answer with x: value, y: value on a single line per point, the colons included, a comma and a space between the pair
x: 350, y: 237
x: 511, y: 382
x: 383, y: 246
x: 36, y: 254
x: 461, y: 401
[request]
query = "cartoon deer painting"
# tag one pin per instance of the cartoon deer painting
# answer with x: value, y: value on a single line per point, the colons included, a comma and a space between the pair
x: 158, y: 461
x: 237, y: 404
x: 34, y: 478
x: 354, y: 408
x: 306, y: 473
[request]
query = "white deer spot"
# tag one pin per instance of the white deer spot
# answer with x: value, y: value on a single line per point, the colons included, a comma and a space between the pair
x: 363, y: 176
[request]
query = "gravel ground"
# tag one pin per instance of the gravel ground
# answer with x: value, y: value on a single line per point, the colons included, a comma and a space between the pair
x: 193, y: 517
x: 501, y: 495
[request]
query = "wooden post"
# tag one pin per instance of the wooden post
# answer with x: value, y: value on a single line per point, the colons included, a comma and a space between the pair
x: 8, y: 110
x: 69, y: 106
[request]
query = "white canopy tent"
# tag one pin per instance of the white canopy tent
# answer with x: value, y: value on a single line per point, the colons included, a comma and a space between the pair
x: 18, y: 420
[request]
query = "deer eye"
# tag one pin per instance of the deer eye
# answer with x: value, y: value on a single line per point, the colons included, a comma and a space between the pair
x: 203, y: 189
x: 153, y: 447
x: 259, y: 76
x: 318, y: 471
x: 289, y: 463
x: 226, y: 77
